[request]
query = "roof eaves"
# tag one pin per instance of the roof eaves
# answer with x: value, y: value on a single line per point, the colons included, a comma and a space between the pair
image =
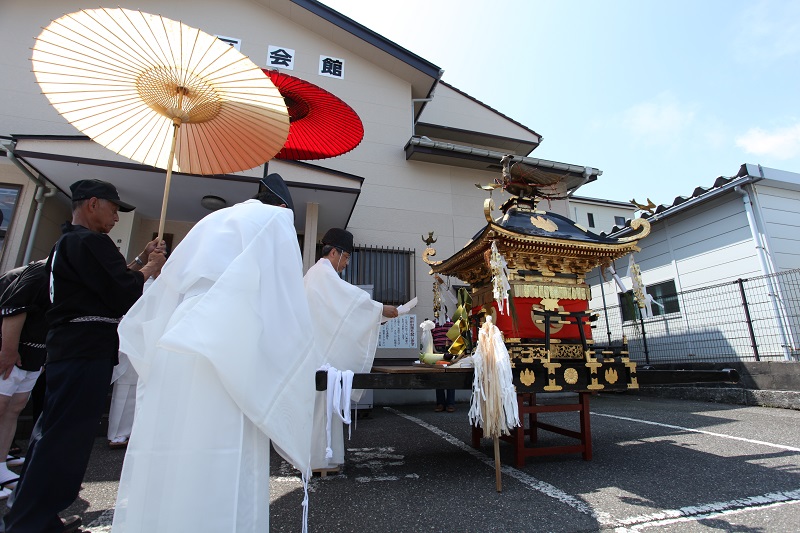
x: 493, y: 154
x: 371, y: 37
x: 700, y: 195
x: 601, y: 201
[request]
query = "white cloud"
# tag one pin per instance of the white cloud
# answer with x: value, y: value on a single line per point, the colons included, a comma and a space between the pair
x: 782, y: 143
x: 768, y: 30
x: 659, y: 121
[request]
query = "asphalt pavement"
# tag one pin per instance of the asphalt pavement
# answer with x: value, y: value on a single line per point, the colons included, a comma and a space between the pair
x: 658, y: 465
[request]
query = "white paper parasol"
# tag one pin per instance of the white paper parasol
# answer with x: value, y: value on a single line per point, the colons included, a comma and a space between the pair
x: 160, y: 92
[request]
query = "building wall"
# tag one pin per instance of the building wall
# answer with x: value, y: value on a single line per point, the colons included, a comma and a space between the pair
x: 780, y: 211
x: 453, y: 109
x: 604, y: 214
x: 708, y: 244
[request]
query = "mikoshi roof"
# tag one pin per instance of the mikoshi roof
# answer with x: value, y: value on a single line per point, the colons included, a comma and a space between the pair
x: 535, y: 240
x: 321, y: 125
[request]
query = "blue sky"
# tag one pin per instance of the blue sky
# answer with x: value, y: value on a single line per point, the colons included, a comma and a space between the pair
x: 661, y: 96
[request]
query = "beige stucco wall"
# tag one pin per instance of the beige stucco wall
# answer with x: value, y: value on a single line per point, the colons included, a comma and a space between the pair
x: 455, y: 110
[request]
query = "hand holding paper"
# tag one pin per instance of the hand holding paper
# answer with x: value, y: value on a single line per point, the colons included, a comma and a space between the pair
x: 406, y: 307
x: 401, y: 309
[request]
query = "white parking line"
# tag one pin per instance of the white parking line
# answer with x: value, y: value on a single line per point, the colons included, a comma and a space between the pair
x: 713, y: 434
x: 528, y: 480
x: 634, y: 523
x: 710, y: 510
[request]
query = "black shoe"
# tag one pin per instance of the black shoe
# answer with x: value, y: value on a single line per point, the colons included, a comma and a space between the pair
x: 71, y: 524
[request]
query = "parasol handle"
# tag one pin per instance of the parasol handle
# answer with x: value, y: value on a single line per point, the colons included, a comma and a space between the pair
x: 498, y: 478
x: 176, y: 124
x: 162, y: 221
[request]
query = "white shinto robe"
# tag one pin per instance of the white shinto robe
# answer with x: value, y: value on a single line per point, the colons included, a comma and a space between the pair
x: 123, y: 396
x: 346, y: 325
x: 222, y: 347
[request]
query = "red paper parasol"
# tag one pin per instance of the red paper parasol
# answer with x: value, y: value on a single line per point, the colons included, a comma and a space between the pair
x: 321, y: 125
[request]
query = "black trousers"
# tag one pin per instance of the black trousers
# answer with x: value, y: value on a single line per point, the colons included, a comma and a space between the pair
x: 61, y: 444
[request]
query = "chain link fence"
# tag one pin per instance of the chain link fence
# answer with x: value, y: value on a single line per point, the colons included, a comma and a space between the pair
x: 754, y: 319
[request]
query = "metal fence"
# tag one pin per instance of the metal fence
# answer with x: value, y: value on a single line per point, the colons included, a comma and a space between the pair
x: 754, y: 319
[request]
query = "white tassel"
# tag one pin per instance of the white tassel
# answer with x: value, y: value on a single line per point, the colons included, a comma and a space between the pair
x: 494, y: 399
x: 305, y: 476
x: 337, y: 400
x: 500, y: 284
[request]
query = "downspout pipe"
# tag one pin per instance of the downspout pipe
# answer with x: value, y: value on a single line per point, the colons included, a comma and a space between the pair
x: 42, y: 193
x: 424, y: 102
x: 766, y: 267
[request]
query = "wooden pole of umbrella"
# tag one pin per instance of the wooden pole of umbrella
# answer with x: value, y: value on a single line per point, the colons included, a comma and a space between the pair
x: 176, y: 124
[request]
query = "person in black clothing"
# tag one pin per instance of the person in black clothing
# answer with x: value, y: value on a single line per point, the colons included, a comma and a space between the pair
x: 445, y: 398
x: 91, y: 288
x: 22, y: 352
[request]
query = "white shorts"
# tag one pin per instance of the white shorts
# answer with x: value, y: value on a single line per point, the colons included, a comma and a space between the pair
x: 19, y: 381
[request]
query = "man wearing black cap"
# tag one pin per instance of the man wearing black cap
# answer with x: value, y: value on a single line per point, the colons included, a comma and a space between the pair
x: 346, y: 325
x: 222, y: 347
x: 91, y: 288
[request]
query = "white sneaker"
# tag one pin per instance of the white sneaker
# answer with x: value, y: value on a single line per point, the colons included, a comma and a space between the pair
x: 13, y: 460
x: 4, y: 493
x: 118, y: 442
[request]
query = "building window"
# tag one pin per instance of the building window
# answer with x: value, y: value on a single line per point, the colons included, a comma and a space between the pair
x: 389, y: 271
x: 591, y: 219
x: 9, y: 195
x: 619, y: 221
x: 663, y: 293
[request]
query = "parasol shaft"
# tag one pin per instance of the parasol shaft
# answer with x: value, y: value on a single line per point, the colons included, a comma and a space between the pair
x: 498, y: 477
x: 176, y: 126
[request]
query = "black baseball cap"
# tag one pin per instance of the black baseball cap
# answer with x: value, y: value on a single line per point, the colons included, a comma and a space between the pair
x: 85, y: 189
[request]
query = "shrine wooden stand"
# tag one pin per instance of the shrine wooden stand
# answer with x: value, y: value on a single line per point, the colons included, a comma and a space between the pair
x: 526, y: 402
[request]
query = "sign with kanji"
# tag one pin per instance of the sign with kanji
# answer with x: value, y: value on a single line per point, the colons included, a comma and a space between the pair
x: 280, y: 57
x: 400, y: 332
x: 333, y: 67
x: 233, y: 41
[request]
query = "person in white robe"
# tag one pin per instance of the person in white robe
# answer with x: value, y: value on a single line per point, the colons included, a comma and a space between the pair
x: 225, y: 362
x: 123, y: 398
x: 346, y: 325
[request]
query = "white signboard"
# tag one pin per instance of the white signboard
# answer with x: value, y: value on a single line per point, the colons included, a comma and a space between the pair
x: 332, y: 67
x: 400, y: 332
x: 280, y: 57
